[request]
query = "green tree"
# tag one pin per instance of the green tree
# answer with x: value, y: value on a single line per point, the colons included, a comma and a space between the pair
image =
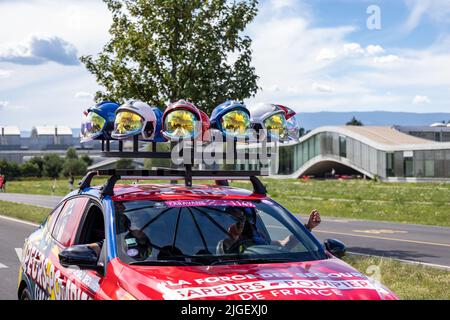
x: 354, y: 122
x: 30, y: 169
x: 53, y: 165
x: 75, y: 167
x: 88, y: 160
x: 71, y: 154
x: 124, y: 164
x: 9, y: 169
x: 163, y: 51
x: 40, y: 163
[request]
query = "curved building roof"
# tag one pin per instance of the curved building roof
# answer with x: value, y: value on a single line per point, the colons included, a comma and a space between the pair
x: 383, y: 138
x: 365, y: 149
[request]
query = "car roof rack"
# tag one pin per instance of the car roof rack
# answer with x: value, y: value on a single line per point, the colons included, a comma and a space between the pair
x: 187, y: 174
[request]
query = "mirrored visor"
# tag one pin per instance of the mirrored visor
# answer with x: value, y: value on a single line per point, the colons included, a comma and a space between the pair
x: 276, y: 125
x: 236, y: 123
x: 180, y: 124
x: 293, y: 128
x: 128, y: 123
x: 92, y: 125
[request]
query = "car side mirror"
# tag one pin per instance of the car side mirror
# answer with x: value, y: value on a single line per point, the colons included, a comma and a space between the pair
x: 335, y: 247
x: 82, y: 256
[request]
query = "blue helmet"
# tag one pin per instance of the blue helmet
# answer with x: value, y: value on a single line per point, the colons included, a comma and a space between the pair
x: 231, y: 118
x: 99, y: 121
x: 159, y: 126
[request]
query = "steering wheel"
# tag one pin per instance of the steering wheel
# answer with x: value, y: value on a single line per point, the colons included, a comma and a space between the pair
x: 235, y: 246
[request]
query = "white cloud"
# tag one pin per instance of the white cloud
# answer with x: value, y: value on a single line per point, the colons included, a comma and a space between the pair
x: 38, y: 49
x: 387, y: 59
x: 374, y: 50
x: 322, y: 88
x: 3, y: 104
x: 4, y: 74
x: 353, y: 49
x: 326, y: 55
x: 436, y: 10
x: 84, y: 95
x: 421, y: 100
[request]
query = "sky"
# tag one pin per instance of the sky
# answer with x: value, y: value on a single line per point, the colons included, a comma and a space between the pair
x: 311, y: 55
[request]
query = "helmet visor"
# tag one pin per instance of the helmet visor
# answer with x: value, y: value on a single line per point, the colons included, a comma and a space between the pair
x: 127, y: 124
x: 92, y: 126
x: 276, y: 126
x: 180, y: 124
x: 293, y: 128
x: 236, y: 123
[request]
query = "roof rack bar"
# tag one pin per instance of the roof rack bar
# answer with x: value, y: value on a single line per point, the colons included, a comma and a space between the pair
x: 87, y: 180
x: 108, y: 187
x: 221, y: 177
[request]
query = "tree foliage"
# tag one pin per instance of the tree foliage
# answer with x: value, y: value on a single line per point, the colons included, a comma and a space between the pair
x: 161, y: 51
x: 53, y: 165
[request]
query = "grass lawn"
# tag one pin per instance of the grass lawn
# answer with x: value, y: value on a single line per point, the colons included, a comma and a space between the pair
x: 24, y: 212
x: 409, y: 282
x: 420, y: 203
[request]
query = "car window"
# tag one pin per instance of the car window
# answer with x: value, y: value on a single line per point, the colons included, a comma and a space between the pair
x: 51, y: 218
x: 68, y: 220
x: 158, y: 230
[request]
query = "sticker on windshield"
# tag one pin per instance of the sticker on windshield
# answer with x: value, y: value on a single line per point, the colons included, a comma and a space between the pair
x: 211, y: 203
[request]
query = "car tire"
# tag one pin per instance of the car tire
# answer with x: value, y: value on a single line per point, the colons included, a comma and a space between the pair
x: 25, y: 294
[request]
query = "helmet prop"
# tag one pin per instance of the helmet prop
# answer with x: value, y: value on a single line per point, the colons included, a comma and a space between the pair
x: 183, y: 120
x: 232, y: 118
x: 98, y: 121
x: 271, y: 118
x: 137, y: 118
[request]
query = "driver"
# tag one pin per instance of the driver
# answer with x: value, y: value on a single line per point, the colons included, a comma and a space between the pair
x: 244, y: 230
x: 136, y: 243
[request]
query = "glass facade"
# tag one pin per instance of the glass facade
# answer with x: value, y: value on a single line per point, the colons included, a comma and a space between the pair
x: 294, y: 158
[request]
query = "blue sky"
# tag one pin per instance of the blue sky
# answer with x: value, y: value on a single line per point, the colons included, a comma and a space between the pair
x: 313, y: 55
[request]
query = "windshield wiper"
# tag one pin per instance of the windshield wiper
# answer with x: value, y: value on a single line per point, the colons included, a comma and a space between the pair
x: 253, y: 260
x: 165, y: 263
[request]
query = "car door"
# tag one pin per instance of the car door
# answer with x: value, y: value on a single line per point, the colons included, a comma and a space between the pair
x: 91, y: 230
x: 47, y: 278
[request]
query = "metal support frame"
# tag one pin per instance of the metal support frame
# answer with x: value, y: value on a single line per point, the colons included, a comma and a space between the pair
x: 187, y: 173
x: 172, y: 174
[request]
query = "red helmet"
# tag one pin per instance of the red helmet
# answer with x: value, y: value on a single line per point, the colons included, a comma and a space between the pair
x: 183, y: 120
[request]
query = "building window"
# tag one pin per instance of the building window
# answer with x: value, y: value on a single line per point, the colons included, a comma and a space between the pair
x: 409, y: 167
x: 429, y: 168
x: 390, y: 165
x: 343, y: 146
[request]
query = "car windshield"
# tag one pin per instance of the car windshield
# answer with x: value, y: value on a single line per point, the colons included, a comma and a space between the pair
x: 210, y: 232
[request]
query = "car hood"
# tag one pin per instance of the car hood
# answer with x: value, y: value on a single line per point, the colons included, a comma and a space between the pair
x: 324, y: 279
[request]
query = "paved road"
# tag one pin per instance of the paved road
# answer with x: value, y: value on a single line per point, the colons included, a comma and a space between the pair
x: 34, y: 199
x: 12, y: 236
x: 418, y: 243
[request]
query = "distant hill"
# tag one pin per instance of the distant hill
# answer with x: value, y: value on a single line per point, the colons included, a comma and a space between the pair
x: 312, y: 120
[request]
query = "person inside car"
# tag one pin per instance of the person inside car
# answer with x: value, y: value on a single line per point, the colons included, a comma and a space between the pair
x: 245, y: 233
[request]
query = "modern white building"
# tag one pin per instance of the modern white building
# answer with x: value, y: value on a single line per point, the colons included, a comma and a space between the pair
x: 373, y: 151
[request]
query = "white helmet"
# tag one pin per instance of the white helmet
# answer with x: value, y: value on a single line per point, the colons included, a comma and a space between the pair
x: 269, y: 117
x: 135, y: 117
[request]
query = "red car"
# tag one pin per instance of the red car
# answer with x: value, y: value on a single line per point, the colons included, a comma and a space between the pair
x: 176, y: 242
